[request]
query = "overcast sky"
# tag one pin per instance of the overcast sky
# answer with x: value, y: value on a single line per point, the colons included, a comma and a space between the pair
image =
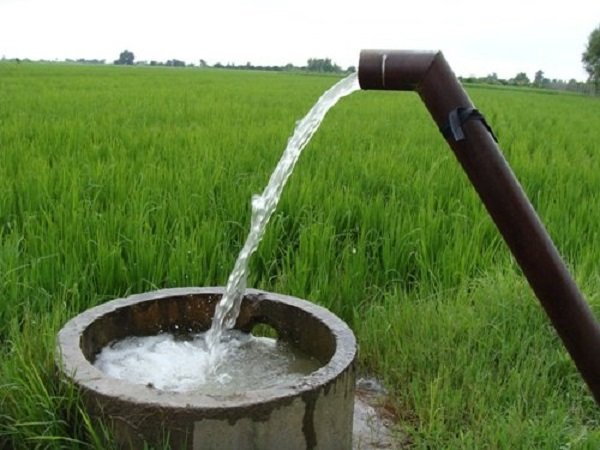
x: 477, y: 37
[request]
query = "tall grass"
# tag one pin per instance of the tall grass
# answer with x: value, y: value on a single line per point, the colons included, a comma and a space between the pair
x: 122, y: 180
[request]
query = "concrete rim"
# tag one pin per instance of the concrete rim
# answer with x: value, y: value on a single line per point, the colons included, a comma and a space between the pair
x: 74, y: 365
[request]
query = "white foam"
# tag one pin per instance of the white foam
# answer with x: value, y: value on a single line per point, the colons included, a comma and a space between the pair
x: 241, y: 362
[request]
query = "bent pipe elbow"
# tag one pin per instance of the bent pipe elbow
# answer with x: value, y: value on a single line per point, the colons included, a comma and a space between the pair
x: 398, y: 70
x: 425, y: 72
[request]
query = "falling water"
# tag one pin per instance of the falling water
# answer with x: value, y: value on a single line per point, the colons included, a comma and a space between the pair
x: 224, y: 360
x: 264, y: 205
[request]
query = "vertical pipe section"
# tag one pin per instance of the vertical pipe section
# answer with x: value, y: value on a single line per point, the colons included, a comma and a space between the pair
x: 429, y: 74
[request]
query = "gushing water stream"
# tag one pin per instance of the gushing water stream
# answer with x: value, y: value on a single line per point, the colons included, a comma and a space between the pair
x: 264, y: 205
x: 224, y: 360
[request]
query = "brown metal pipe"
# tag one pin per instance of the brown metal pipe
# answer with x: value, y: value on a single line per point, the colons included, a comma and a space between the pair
x: 429, y: 74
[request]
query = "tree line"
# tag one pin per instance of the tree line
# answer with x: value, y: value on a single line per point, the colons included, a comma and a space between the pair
x: 591, y: 63
x: 325, y: 65
x: 590, y: 60
x: 540, y: 81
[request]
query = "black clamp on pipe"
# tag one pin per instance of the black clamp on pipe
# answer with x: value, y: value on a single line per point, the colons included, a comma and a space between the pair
x: 456, y: 119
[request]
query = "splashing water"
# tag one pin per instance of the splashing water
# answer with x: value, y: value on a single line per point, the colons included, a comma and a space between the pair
x: 264, y: 205
x: 181, y: 363
x: 224, y: 360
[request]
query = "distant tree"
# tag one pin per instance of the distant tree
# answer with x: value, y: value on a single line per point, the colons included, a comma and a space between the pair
x: 539, y: 80
x: 591, y: 58
x: 492, y: 78
x: 175, y: 63
x: 203, y: 63
x: 125, y: 58
x: 90, y: 61
x: 322, y: 65
x: 351, y: 69
x: 521, y: 79
x: 572, y: 84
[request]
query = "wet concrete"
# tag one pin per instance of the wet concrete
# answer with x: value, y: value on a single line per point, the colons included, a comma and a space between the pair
x: 374, y: 424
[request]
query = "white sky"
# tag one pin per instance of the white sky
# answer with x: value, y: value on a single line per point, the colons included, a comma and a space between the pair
x: 477, y: 37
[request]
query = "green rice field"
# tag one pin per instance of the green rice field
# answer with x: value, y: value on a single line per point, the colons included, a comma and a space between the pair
x: 119, y: 180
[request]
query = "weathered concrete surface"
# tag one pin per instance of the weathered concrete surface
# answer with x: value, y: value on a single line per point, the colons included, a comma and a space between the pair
x: 373, y: 426
x: 315, y: 413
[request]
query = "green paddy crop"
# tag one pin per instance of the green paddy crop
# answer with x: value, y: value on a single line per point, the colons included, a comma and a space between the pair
x: 116, y: 180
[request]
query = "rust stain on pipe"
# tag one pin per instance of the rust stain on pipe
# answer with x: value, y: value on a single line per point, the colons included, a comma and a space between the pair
x: 429, y: 74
